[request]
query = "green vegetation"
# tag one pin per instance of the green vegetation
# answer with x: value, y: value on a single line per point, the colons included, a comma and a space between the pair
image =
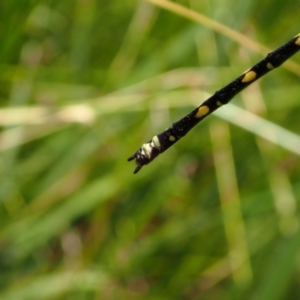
x: 82, y: 85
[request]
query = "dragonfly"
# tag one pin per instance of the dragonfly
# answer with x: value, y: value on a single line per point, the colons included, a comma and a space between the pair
x: 164, y: 140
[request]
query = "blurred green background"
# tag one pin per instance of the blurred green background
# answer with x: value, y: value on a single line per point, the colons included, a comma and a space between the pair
x: 82, y: 85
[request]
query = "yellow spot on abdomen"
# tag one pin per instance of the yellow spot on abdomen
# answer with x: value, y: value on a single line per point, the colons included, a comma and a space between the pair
x: 156, y: 142
x: 171, y: 138
x: 202, y: 111
x: 270, y: 66
x: 297, y: 42
x: 249, y: 76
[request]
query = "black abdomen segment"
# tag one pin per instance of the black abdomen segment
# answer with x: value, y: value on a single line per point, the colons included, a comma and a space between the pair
x: 161, y: 142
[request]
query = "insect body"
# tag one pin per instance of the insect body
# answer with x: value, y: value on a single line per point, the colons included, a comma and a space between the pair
x: 161, y: 142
